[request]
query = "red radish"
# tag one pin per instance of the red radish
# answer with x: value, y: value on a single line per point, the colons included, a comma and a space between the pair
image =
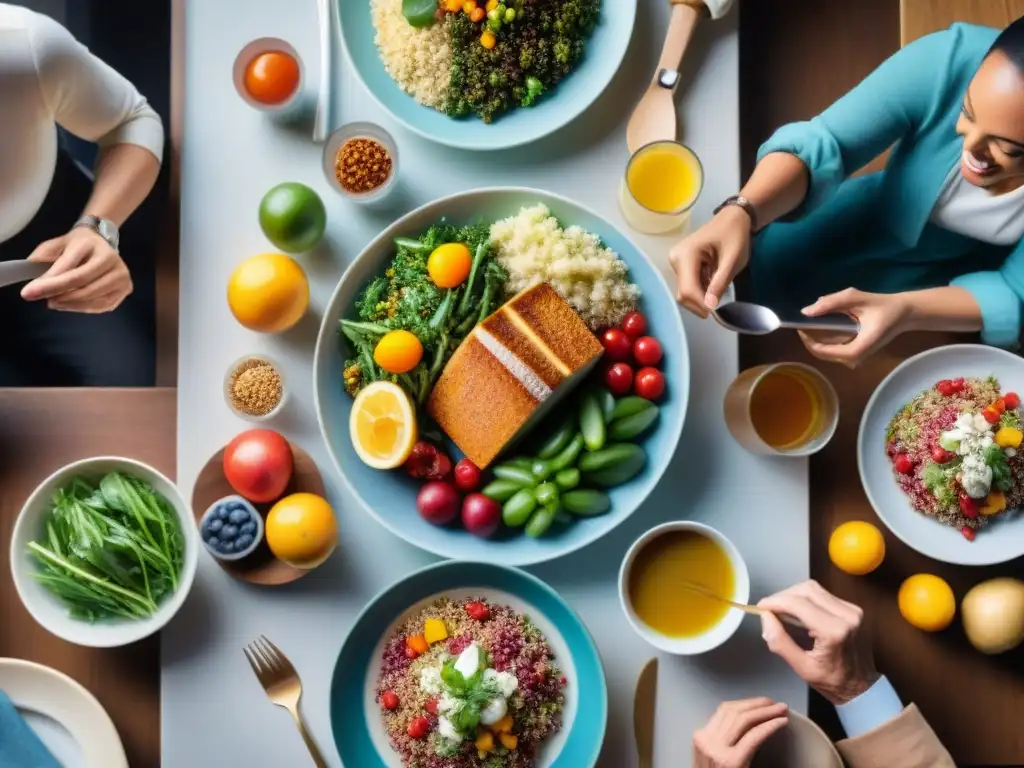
x: 389, y: 700
x: 617, y: 346
x: 428, y: 462
x: 467, y: 475
x: 438, y: 502
x: 647, y: 350
x: 634, y: 325
x: 418, y: 727
x: 619, y: 379
x: 650, y: 383
x: 903, y: 463
x: 940, y: 455
x: 1012, y: 400
x: 480, y: 514
x: 968, y: 506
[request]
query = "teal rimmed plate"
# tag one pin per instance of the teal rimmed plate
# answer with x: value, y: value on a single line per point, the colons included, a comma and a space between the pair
x: 355, y: 716
x: 604, y: 53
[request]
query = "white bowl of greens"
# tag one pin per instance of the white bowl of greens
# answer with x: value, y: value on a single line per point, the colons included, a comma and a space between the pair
x: 104, y: 552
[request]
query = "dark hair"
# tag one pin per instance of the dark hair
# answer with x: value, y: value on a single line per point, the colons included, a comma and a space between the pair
x: 1011, y: 43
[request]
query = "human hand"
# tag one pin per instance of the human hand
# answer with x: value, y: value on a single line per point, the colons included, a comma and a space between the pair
x: 882, y: 317
x: 736, y: 731
x: 840, y: 665
x: 86, y: 275
x: 708, y: 260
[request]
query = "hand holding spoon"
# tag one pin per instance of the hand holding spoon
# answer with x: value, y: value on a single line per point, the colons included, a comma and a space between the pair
x: 757, y: 320
x: 752, y: 610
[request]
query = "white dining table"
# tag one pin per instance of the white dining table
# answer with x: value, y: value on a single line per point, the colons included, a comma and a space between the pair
x: 213, y: 712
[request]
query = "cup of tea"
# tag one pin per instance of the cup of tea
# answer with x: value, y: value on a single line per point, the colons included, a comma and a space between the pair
x: 782, y: 409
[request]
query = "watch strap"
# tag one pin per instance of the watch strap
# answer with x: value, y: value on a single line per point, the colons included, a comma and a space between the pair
x: 102, y: 227
x: 741, y: 202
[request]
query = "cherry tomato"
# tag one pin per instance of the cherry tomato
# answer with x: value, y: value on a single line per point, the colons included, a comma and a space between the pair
x: 619, y: 379
x: 617, y: 346
x: 1012, y: 400
x: 940, y: 455
x: 389, y: 700
x: 449, y: 265
x: 946, y: 387
x: 968, y: 533
x: 634, y: 325
x: 968, y: 505
x: 467, y: 475
x: 418, y: 727
x: 999, y: 405
x: 272, y: 77
x: 903, y: 463
x: 991, y: 415
x: 647, y: 350
x: 477, y: 611
x: 650, y: 383
x: 431, y: 706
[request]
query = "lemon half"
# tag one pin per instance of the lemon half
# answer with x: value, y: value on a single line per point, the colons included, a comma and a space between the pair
x: 383, y: 425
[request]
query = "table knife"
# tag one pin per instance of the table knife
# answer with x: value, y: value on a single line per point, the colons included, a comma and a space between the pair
x: 644, y: 707
x: 21, y: 271
x: 321, y: 123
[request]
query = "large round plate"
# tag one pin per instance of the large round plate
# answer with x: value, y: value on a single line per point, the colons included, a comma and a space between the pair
x: 1002, y: 540
x: 67, y: 718
x: 604, y: 54
x: 355, y: 716
x: 391, y: 496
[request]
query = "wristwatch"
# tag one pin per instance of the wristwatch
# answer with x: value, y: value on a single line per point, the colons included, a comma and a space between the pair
x: 102, y: 227
x: 741, y: 202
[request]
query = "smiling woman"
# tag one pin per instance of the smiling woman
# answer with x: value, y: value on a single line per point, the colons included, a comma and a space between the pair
x: 932, y: 242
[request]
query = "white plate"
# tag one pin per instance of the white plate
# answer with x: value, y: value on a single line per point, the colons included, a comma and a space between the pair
x: 998, y: 542
x: 73, y: 725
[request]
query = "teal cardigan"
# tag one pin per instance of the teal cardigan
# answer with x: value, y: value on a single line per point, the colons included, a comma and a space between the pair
x: 913, y: 100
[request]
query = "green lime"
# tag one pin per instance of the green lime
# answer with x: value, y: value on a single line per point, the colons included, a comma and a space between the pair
x: 293, y: 217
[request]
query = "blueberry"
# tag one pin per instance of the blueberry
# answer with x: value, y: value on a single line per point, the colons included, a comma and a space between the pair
x: 212, y: 540
x: 229, y: 532
x: 249, y: 528
x: 243, y: 542
x: 213, y: 526
x: 238, y: 516
x: 222, y: 512
x: 227, y: 547
x: 236, y: 505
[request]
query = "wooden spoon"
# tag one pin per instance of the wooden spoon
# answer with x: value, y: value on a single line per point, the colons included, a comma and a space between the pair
x: 753, y: 610
x: 654, y: 118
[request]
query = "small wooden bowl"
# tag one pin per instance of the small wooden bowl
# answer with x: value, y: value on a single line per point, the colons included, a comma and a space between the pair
x: 261, y: 567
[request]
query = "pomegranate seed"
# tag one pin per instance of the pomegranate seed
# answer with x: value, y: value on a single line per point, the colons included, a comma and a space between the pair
x: 903, y: 463
x: 410, y: 653
x: 968, y: 506
x: 968, y: 533
x: 431, y: 706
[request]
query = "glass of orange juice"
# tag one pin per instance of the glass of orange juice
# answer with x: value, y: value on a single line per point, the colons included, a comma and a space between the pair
x: 782, y: 409
x: 663, y: 180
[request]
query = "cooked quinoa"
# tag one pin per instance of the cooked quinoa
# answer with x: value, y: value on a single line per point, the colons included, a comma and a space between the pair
x: 419, y: 60
x: 534, y: 248
x: 514, y: 645
x: 915, y: 432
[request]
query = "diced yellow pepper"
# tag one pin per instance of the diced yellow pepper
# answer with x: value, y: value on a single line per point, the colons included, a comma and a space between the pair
x: 994, y: 503
x: 434, y: 631
x: 509, y: 740
x: 484, y: 742
x: 488, y: 39
x: 504, y: 725
x: 1008, y: 437
x: 491, y: 5
x: 468, y: 7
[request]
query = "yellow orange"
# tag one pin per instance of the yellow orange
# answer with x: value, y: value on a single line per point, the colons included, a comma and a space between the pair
x: 383, y: 425
x: 927, y: 602
x: 268, y: 293
x: 856, y: 547
x: 398, y: 352
x: 449, y: 265
x: 301, y: 530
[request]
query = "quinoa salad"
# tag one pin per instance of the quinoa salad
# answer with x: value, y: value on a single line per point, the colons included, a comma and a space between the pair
x: 469, y: 684
x: 955, y: 452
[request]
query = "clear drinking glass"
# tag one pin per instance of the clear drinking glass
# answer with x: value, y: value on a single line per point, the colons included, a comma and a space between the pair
x: 647, y: 220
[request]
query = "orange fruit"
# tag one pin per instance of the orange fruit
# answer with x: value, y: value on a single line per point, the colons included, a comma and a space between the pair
x: 927, y: 602
x: 398, y: 352
x: 383, y: 425
x: 449, y: 265
x: 268, y: 293
x: 272, y: 77
x: 856, y: 547
x: 301, y: 530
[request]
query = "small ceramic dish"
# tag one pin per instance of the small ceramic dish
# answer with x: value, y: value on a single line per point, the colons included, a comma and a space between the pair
x: 717, y: 634
x: 229, y: 377
x: 339, y: 139
x: 248, y: 54
x: 220, y: 517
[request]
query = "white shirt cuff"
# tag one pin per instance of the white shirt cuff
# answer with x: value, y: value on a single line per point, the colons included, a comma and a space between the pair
x: 877, y: 705
x: 718, y: 8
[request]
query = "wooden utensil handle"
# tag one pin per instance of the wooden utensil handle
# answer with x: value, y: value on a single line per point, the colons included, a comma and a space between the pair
x: 685, y: 17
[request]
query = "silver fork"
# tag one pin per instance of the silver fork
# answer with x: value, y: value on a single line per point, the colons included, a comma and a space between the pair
x: 281, y: 682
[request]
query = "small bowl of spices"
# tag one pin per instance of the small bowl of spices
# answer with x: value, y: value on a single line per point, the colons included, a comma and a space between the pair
x: 361, y: 161
x: 254, y: 388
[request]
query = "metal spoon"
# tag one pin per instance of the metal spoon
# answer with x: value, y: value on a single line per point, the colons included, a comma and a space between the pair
x: 752, y: 610
x: 21, y: 271
x: 757, y: 320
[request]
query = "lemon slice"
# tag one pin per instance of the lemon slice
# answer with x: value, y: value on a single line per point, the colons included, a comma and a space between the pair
x: 383, y: 425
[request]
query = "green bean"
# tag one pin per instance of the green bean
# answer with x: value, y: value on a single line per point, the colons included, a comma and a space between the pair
x: 517, y: 510
x: 631, y: 427
x: 546, y: 493
x: 592, y: 422
x: 524, y: 477
x: 558, y: 439
x: 541, y: 470
x: 569, y: 455
x: 501, y: 490
x: 629, y: 406
x: 567, y: 479
x: 541, y: 521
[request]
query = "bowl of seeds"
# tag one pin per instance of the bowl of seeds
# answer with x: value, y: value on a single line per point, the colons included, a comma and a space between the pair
x: 360, y: 160
x: 254, y: 388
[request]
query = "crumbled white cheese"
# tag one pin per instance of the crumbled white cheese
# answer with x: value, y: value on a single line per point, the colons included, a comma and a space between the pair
x: 469, y: 661
x: 447, y: 731
x: 505, y: 682
x: 494, y: 711
x: 430, y: 680
x: 975, y: 476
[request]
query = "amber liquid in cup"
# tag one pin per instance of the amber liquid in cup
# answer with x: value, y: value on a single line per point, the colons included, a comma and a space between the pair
x: 787, y: 408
